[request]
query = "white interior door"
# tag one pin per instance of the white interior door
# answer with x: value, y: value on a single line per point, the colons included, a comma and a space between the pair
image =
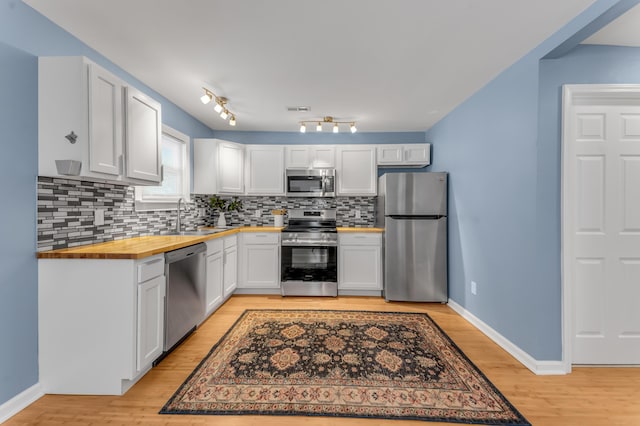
x: 601, y: 223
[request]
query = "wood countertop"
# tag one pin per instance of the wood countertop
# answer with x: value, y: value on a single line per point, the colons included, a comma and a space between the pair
x: 141, y: 247
x: 355, y: 229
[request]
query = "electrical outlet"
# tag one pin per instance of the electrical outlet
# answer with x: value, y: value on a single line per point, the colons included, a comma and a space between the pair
x: 98, y: 217
x: 474, y: 288
x: 202, y: 211
x: 258, y: 213
x: 357, y: 214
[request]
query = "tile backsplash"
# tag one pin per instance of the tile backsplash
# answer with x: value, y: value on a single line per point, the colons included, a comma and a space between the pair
x: 66, y: 212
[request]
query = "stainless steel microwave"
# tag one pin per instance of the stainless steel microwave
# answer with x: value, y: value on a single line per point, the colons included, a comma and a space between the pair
x: 311, y: 183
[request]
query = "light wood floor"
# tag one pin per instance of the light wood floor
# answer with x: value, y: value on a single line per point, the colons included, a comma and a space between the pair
x: 588, y: 396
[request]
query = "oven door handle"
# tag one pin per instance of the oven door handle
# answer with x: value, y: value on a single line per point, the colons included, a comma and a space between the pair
x: 318, y: 244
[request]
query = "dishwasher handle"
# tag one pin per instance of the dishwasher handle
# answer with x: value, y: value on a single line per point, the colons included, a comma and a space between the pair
x: 183, y: 253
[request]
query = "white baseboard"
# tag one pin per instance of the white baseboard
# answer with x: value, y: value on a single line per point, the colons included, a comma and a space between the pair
x: 537, y: 367
x: 265, y: 291
x: 20, y: 402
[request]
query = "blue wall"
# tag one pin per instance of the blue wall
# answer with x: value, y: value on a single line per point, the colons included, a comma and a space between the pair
x: 504, y: 198
x: 18, y: 267
x: 488, y: 145
x: 314, y: 138
x: 583, y: 65
x: 24, y: 35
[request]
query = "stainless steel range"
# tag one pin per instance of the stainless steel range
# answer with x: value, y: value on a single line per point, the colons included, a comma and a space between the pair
x: 310, y: 254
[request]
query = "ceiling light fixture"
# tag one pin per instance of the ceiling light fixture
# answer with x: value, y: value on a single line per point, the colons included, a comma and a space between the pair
x: 327, y: 119
x: 220, y: 105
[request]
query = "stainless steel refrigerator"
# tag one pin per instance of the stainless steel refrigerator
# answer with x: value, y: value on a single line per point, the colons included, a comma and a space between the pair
x: 412, y: 209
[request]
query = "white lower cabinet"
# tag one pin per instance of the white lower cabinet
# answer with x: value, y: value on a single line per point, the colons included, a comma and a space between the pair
x: 150, y: 332
x: 230, y: 265
x: 215, y: 276
x: 359, y: 262
x: 260, y: 262
x: 100, y: 323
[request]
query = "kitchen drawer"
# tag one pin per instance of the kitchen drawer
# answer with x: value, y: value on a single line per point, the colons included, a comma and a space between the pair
x: 214, y: 246
x: 151, y: 268
x: 363, y: 239
x: 261, y: 238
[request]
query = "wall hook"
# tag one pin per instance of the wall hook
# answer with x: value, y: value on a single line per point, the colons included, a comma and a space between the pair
x: 72, y: 137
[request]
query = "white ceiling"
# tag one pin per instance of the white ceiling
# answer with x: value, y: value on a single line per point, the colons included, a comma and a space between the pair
x: 389, y: 65
x: 624, y: 31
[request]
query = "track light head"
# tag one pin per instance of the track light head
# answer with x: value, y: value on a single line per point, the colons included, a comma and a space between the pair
x: 224, y: 114
x: 207, y: 97
x: 353, y: 128
x: 319, y: 127
x: 303, y: 127
x: 232, y: 120
x: 335, y: 128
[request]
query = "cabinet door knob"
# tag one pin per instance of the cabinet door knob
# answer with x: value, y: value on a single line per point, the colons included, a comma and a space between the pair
x: 72, y: 137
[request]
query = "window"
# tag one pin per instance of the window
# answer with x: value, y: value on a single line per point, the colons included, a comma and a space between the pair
x: 175, y: 174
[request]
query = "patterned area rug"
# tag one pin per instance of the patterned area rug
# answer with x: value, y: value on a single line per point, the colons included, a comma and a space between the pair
x: 341, y: 363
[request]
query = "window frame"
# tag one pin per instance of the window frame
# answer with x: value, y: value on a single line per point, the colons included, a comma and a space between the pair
x: 148, y: 203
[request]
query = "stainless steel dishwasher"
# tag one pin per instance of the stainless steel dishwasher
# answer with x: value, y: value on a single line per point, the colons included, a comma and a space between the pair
x: 184, y: 309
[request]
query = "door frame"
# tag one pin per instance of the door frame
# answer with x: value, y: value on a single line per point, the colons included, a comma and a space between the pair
x: 578, y: 94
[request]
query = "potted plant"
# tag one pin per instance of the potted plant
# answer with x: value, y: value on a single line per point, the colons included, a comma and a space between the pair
x: 218, y: 203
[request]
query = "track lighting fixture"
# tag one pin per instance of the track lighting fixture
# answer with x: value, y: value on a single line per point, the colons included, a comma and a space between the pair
x: 328, y: 119
x: 220, y: 105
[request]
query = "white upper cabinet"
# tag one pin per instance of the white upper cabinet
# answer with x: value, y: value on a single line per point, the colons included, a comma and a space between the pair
x: 143, y: 136
x: 105, y: 121
x: 404, y: 155
x: 264, y: 166
x: 205, y: 165
x: 230, y: 168
x: 218, y: 167
x: 82, y: 117
x: 356, y: 171
x: 309, y: 156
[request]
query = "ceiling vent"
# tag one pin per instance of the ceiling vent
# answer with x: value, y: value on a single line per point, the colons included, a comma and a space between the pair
x: 298, y: 108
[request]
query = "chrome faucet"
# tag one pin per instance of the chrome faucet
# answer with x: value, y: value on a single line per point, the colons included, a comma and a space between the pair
x: 178, y: 224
